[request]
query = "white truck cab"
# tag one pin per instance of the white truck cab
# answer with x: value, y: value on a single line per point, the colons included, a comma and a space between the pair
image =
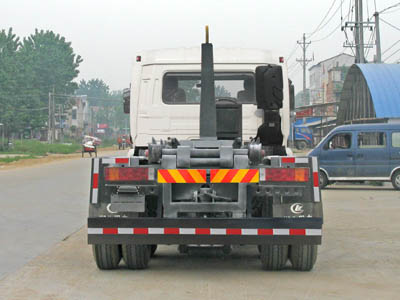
x: 165, y: 91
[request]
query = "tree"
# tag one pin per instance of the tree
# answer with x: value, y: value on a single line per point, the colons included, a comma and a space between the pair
x: 11, y: 99
x: 29, y: 71
x: 96, y: 89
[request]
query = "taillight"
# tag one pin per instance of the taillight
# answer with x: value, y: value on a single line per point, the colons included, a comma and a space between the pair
x: 126, y: 174
x: 287, y: 174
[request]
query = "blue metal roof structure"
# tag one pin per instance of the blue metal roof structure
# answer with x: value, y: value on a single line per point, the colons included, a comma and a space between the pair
x: 371, y: 92
x: 383, y: 81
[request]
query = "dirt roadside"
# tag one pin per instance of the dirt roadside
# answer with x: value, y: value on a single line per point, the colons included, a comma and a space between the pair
x: 30, y: 162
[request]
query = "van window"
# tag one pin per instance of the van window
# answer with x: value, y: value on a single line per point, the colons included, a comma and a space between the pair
x: 368, y: 140
x: 185, y: 88
x: 396, y: 139
x: 339, y: 141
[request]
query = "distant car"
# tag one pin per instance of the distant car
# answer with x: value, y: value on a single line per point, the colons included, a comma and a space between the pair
x: 360, y: 153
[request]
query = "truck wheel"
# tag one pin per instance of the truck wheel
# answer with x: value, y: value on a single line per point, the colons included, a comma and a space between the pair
x: 273, y: 257
x: 396, y: 180
x: 301, y: 145
x: 323, y: 180
x: 153, y: 249
x: 227, y: 249
x: 303, y: 257
x: 136, y: 256
x: 183, y: 249
x: 107, y: 257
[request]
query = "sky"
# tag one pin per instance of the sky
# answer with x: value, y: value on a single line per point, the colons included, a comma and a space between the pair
x: 109, y: 34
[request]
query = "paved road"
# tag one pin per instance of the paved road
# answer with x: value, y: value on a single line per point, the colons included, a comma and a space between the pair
x: 39, y: 206
x: 359, y: 259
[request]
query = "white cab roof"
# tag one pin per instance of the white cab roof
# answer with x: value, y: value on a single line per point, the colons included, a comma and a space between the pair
x: 193, y: 56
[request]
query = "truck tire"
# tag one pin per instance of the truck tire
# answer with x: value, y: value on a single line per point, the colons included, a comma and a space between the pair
x: 323, y: 180
x: 153, y: 249
x: 396, y: 180
x: 301, y: 145
x: 303, y: 257
x: 107, y: 257
x: 273, y: 257
x: 136, y: 256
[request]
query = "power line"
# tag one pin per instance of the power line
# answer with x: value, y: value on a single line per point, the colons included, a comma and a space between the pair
x: 323, y: 19
x: 292, y: 52
x: 389, y: 7
x: 390, y: 24
x: 392, y: 54
x: 394, y: 44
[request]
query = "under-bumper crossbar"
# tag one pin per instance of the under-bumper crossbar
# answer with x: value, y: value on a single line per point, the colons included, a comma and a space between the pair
x: 205, y: 231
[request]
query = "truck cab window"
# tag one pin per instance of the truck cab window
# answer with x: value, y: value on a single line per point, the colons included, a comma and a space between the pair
x: 185, y: 88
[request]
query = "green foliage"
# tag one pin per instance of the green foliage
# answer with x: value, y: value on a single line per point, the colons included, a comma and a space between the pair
x: 9, y: 159
x: 107, y: 106
x: 36, y: 148
x: 29, y: 70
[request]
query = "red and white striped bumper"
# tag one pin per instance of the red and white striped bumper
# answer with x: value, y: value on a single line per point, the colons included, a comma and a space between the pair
x: 203, y: 231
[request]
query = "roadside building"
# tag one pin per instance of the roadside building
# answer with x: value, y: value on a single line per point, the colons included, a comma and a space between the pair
x: 327, y: 77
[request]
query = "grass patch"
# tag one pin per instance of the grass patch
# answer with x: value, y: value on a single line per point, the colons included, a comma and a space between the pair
x: 37, y: 148
x: 10, y: 159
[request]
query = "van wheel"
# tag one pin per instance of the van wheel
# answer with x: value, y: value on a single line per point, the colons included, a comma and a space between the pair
x: 396, y: 180
x: 301, y: 145
x: 323, y: 180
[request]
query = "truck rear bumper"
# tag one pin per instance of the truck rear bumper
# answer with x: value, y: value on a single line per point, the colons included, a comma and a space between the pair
x: 284, y: 231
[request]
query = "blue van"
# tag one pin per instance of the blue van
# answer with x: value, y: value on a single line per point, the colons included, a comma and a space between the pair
x: 360, y: 152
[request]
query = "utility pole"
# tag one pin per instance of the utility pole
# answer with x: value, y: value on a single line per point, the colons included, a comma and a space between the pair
x: 361, y: 31
x: 378, y: 58
x: 357, y: 32
x: 53, y: 118
x: 358, y: 28
x: 49, y: 122
x: 304, y: 62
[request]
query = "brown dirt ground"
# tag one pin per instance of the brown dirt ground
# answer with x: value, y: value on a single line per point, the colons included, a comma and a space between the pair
x: 29, y: 162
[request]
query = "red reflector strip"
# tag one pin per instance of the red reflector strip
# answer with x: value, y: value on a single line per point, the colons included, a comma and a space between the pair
x: 208, y: 231
x: 287, y: 174
x: 95, y: 181
x: 126, y: 174
x: 233, y: 231
x: 288, y: 160
x: 297, y: 232
x: 171, y: 230
x: 140, y: 231
x: 110, y: 230
x: 122, y: 160
x: 265, y: 232
x: 316, y: 179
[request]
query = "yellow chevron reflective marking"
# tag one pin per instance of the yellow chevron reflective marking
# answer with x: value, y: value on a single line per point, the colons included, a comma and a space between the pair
x: 239, y: 175
x: 220, y: 175
x: 256, y: 177
x: 177, y: 176
x: 160, y: 178
x: 196, y: 176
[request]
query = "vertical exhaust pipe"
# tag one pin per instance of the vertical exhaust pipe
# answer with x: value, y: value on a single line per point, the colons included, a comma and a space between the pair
x: 208, y: 110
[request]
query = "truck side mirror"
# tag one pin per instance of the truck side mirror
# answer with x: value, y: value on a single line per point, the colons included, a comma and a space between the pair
x: 126, y: 95
x: 291, y: 96
x: 269, y: 87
